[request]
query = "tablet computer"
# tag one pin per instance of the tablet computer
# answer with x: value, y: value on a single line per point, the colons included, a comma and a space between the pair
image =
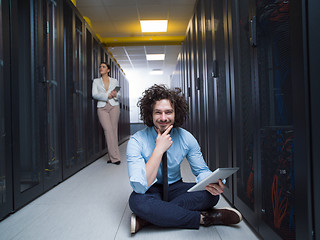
x: 219, y: 173
x: 117, y: 89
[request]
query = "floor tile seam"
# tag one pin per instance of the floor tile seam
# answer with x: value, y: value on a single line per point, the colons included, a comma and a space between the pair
x: 217, y: 230
x: 122, y: 217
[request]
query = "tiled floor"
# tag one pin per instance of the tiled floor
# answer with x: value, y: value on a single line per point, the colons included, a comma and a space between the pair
x: 93, y: 204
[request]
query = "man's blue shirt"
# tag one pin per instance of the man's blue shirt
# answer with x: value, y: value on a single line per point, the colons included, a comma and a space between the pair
x: 140, y: 148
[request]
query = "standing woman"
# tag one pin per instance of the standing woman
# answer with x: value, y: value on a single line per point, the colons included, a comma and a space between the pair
x: 108, y: 109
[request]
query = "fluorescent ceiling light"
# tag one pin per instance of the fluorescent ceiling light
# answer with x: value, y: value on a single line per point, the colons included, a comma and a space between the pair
x: 154, y: 57
x: 154, y: 25
x: 156, y: 72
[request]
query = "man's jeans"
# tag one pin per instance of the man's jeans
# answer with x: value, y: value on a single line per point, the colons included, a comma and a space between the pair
x: 182, y: 209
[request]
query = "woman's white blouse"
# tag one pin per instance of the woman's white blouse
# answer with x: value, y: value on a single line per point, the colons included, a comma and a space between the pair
x: 101, y: 94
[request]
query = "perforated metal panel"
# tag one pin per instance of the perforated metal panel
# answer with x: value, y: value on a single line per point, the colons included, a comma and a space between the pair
x: 276, y: 120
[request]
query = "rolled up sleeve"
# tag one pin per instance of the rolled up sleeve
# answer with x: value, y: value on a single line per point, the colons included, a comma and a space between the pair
x: 137, y: 167
x: 198, y: 165
x: 98, y: 95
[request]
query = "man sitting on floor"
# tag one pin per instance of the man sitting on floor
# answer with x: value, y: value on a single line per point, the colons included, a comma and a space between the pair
x: 164, y: 111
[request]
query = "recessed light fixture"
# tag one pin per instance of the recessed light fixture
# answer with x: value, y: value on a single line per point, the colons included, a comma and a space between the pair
x: 154, y: 25
x: 156, y: 72
x: 154, y: 57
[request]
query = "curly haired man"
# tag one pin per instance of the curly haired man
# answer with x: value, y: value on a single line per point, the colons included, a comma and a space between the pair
x: 164, y: 111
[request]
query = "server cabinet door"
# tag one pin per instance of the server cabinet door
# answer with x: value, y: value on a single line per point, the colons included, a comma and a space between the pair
x: 90, y: 101
x: 188, y: 48
x: 36, y: 152
x: 74, y: 158
x: 243, y: 98
x: 195, y: 102
x: 51, y: 84
x: 314, y: 48
x: 210, y: 104
x: 79, y: 93
x: 96, y: 127
x: 276, y: 134
x: 220, y: 90
x: 6, y: 205
x: 201, y: 80
x: 26, y: 86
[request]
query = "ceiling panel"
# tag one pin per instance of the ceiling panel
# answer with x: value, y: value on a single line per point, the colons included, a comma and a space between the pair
x: 152, y: 2
x: 118, y: 50
x: 123, y: 13
x: 124, y: 62
x: 135, y: 48
x: 155, y: 12
x: 182, y: 12
x: 155, y: 64
x: 86, y: 3
x: 183, y: 2
x: 103, y: 27
x: 138, y: 57
x: 155, y: 49
x: 142, y: 64
x: 120, y: 18
x: 118, y: 2
x: 120, y: 57
x: 129, y: 29
x: 135, y: 51
x: 95, y: 13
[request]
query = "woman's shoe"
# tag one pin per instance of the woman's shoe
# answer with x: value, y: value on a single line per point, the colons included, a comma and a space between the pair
x: 116, y: 163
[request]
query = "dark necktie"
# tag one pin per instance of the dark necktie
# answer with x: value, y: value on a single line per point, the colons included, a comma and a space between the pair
x: 165, y: 177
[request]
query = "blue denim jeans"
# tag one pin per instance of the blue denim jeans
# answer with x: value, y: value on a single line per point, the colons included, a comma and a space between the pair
x: 182, y: 209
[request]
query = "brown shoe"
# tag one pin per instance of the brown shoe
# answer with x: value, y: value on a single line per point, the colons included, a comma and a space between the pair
x: 137, y: 223
x: 221, y: 216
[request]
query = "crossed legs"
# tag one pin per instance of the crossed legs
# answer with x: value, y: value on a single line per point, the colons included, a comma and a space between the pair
x: 181, y: 211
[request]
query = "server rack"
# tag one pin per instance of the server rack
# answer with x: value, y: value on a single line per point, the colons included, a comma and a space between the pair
x: 49, y: 124
x: 221, y: 88
x: 305, y: 214
x: 259, y: 91
x: 244, y: 113
x: 313, y: 42
x: 209, y: 92
x: 6, y: 193
x: 90, y: 120
x: 30, y: 86
x: 73, y: 91
x: 49, y: 19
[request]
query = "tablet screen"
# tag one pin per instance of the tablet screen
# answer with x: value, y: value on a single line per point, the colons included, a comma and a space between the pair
x: 219, y: 173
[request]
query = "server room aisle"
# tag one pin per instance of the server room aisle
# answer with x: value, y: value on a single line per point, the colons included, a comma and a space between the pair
x: 93, y: 205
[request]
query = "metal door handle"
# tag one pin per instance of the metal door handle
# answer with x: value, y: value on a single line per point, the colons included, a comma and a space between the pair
x: 253, y: 26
